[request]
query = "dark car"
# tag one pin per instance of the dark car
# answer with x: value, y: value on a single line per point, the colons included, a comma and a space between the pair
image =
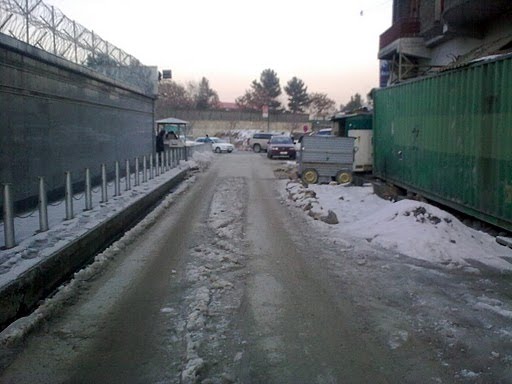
x: 281, y: 146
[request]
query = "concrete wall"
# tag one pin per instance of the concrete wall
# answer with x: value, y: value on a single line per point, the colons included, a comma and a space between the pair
x: 215, y: 122
x: 56, y: 116
x: 214, y: 128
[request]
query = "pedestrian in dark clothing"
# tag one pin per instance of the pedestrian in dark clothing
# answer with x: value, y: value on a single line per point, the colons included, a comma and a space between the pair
x: 160, y: 141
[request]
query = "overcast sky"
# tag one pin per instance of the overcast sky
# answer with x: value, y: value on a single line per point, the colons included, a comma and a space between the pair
x: 326, y: 43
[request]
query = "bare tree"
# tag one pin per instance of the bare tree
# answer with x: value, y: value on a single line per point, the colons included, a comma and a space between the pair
x: 321, y: 105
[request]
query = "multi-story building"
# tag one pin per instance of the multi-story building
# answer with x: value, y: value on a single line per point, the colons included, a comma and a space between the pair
x: 430, y: 34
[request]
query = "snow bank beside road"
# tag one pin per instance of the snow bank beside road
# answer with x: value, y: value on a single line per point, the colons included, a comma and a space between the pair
x: 411, y: 228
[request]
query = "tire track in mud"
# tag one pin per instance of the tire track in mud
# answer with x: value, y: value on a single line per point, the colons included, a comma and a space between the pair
x: 215, y: 281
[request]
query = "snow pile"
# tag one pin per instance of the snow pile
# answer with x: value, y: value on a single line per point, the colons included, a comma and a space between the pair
x: 201, y: 160
x: 307, y: 200
x: 415, y: 229
x: 493, y: 305
x: 214, y: 293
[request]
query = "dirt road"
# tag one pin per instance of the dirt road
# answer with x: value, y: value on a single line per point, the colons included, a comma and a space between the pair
x: 231, y: 286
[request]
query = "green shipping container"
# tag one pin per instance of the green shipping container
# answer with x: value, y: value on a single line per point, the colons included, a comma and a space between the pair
x: 449, y: 138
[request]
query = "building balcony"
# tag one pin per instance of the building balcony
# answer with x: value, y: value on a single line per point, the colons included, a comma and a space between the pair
x: 409, y: 27
x: 474, y: 12
x: 403, y: 37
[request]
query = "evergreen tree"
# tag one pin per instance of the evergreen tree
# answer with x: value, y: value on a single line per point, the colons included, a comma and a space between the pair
x: 206, y: 98
x: 297, y: 93
x: 270, y: 88
x: 263, y: 92
x: 354, y: 103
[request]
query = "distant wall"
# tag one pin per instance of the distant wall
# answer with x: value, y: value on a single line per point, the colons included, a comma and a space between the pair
x: 57, y: 116
x: 214, y: 122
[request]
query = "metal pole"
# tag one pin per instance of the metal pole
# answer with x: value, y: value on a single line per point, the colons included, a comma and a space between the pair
x: 8, y: 217
x: 164, y: 155
x: 43, y: 206
x: 151, y: 170
x: 117, y: 181
x: 104, y: 194
x: 157, y: 165
x: 88, y: 190
x: 53, y: 31
x: 137, y: 179
x: 127, y: 181
x: 171, y: 152
x: 144, y: 169
x: 27, y: 13
x: 69, y: 197
x: 75, y: 42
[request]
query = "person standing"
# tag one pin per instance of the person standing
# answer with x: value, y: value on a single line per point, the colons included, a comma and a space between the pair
x: 160, y: 147
x: 160, y: 141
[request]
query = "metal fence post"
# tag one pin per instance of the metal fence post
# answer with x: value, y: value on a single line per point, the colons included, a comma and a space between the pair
x: 165, y: 160
x: 8, y: 217
x: 144, y: 170
x: 157, y: 164
x: 127, y: 181
x: 43, y: 206
x: 151, y: 170
x: 88, y: 190
x: 104, y: 192
x: 69, y: 197
x: 137, y: 179
x: 117, y: 181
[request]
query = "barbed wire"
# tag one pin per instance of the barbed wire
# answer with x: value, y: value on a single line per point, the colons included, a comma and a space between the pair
x: 26, y: 216
x: 80, y: 197
x: 56, y: 204
x: 50, y: 188
x: 47, y: 28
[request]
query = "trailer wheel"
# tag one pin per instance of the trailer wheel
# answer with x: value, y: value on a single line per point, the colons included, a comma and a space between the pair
x: 343, y: 177
x: 310, y: 176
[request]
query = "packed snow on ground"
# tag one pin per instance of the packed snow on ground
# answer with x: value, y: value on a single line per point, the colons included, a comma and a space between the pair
x: 412, y: 228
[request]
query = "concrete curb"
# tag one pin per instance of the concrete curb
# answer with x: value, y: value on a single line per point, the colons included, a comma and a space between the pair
x: 21, y: 296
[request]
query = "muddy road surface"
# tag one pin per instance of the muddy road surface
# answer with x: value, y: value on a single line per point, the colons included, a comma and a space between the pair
x: 230, y: 285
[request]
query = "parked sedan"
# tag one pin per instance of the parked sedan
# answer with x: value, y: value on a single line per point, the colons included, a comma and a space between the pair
x: 218, y: 145
x: 281, y: 146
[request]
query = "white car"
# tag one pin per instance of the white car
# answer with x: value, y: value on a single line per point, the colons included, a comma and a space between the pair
x: 218, y: 145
